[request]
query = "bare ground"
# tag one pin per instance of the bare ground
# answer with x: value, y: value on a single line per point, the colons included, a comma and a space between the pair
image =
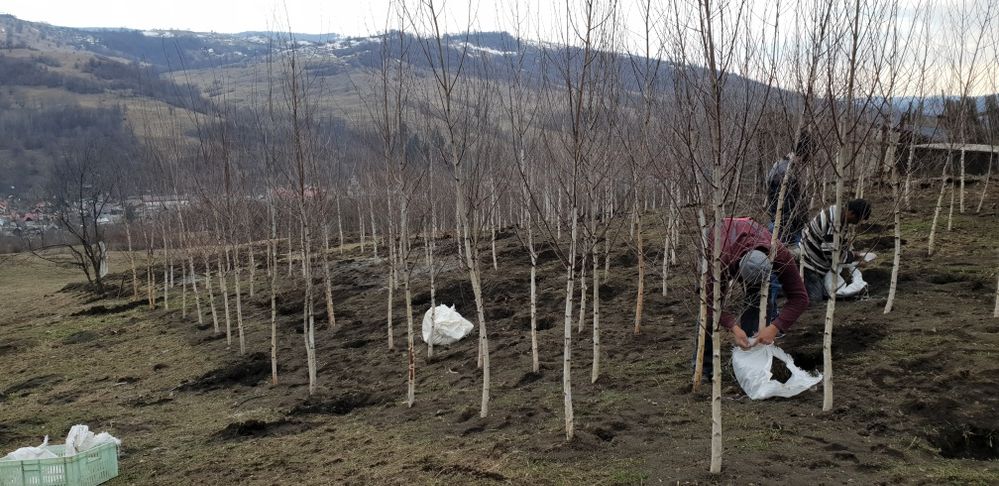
x: 916, y: 390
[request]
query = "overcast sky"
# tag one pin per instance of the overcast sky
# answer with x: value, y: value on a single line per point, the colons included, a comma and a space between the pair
x: 365, y: 17
x: 352, y: 17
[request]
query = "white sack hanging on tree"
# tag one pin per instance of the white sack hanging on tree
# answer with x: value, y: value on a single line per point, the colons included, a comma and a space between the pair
x: 448, y: 325
x: 752, y: 371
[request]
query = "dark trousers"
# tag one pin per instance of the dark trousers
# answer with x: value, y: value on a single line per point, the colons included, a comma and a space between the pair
x: 815, y: 285
x: 749, y: 321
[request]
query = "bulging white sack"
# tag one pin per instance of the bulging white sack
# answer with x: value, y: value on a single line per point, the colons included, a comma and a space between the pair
x: 448, y: 325
x: 31, y: 453
x: 81, y: 439
x: 836, y: 283
x: 752, y: 371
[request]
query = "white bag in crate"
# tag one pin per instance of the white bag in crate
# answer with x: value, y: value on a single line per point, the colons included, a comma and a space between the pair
x: 752, y: 371
x: 31, y: 453
x: 81, y: 439
x: 448, y: 325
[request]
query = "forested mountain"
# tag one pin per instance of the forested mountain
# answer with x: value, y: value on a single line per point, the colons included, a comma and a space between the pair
x: 60, y: 84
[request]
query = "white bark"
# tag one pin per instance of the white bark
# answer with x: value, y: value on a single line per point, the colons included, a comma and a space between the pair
x: 237, y: 270
x: 194, y: 288
x: 327, y: 281
x: 963, y: 152
x: 640, y: 297
x: 211, y: 294
x: 985, y: 186
x: 595, y: 372
x: 939, y: 207
x: 897, y: 216
x: 827, y: 369
x: 391, y: 342
x: 570, y: 426
x: 225, y: 298
x: 702, y: 319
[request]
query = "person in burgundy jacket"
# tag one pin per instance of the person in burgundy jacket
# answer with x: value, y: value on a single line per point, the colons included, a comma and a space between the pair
x: 744, y: 257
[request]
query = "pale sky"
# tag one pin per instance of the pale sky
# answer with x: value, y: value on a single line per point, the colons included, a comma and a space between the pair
x: 350, y: 17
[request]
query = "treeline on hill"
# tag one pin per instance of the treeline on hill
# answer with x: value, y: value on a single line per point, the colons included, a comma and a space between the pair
x: 111, y: 75
x: 35, y: 72
x: 178, y: 52
x: 31, y: 139
x: 146, y: 81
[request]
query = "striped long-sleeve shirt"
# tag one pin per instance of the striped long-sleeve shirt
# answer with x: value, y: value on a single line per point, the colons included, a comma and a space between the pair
x: 817, y: 242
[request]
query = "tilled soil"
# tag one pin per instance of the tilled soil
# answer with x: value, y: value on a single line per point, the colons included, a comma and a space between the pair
x: 916, y: 390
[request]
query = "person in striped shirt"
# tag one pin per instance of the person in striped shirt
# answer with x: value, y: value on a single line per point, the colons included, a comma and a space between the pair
x: 817, y: 244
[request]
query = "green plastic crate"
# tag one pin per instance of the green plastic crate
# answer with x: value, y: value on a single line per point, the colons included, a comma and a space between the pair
x: 88, y: 468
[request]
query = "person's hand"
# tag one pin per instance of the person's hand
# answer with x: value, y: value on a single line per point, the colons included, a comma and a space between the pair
x: 767, y: 335
x: 741, y: 339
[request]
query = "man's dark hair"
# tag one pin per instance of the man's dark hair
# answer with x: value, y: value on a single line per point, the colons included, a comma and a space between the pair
x: 859, y: 207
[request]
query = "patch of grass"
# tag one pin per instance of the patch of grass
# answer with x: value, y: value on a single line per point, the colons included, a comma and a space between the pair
x: 949, y: 471
x: 614, y: 472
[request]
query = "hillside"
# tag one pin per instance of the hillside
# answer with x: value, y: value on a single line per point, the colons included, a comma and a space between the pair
x: 158, y: 80
x: 915, y: 389
x: 55, y: 96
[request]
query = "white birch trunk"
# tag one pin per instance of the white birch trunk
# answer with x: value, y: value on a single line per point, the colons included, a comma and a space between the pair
x: 595, y: 372
x: 211, y: 294
x: 702, y: 319
x: 897, y: 216
x: 411, y: 392
x: 225, y: 300
x: 985, y: 187
x: 391, y: 342
x: 339, y: 222
x: 827, y: 369
x: 131, y: 261
x: 640, y: 297
x: 327, y: 281
x: 194, y: 288
x: 963, y: 152
x: 582, y: 292
x: 237, y: 270
x: 570, y: 426
x: 183, y: 290
x: 272, y: 271
x: 936, y: 211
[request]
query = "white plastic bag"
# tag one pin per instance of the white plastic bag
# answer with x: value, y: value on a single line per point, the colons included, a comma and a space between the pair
x: 448, y: 325
x: 836, y: 283
x: 752, y: 370
x: 81, y: 439
x: 31, y: 453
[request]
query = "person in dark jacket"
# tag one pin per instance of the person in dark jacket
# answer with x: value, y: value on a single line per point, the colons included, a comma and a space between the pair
x: 745, y: 246
x: 794, y: 211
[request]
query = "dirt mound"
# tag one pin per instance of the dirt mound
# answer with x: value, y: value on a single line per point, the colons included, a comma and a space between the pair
x: 80, y: 337
x: 101, y: 310
x: 967, y: 441
x: 257, y: 428
x: 26, y: 387
x: 247, y: 371
x: 338, y: 405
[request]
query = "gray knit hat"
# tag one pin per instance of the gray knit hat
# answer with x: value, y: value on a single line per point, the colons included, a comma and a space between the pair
x: 754, y: 267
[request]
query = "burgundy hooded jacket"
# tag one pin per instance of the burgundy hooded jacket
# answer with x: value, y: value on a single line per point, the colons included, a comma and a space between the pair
x: 740, y: 236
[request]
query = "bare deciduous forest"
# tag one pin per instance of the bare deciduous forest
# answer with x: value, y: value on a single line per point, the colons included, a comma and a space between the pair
x: 237, y: 256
